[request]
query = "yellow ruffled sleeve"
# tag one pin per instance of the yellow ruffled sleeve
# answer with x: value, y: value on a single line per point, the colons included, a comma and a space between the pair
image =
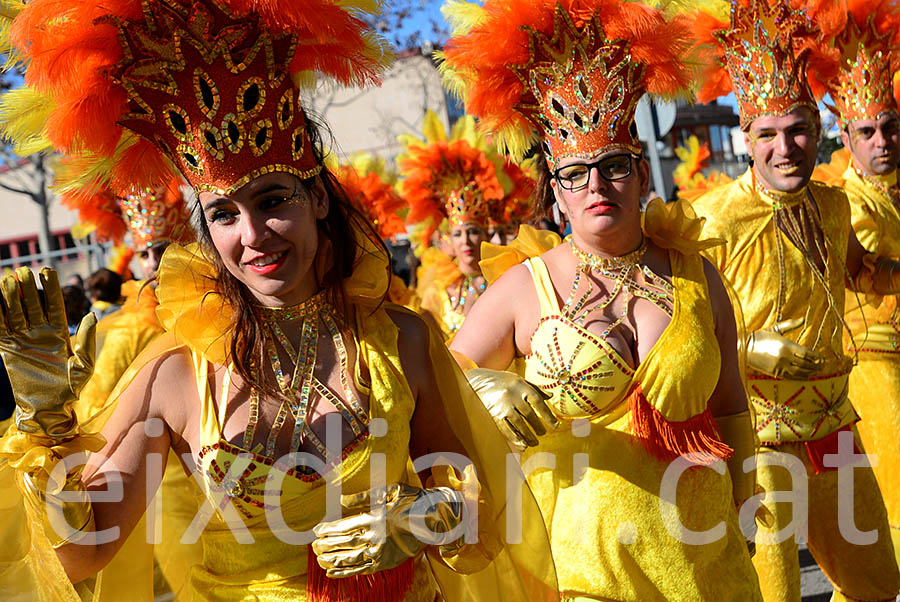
x: 676, y: 226
x: 496, y: 259
x: 189, y: 306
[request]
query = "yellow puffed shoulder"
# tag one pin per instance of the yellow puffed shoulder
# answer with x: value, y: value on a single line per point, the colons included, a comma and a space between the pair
x: 496, y: 259
x: 189, y: 306
x: 676, y: 226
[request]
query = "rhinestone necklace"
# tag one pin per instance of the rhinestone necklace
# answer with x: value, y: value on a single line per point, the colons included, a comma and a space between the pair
x: 621, y: 271
x: 467, y: 290
x: 303, y: 382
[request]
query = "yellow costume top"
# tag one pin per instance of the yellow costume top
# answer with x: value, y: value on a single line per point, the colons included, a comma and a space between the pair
x: 601, y: 500
x: 876, y: 220
x: 437, y: 272
x: 773, y: 282
x: 276, y: 566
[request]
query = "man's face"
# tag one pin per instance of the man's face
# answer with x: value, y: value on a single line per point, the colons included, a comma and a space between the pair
x: 783, y: 149
x: 875, y: 143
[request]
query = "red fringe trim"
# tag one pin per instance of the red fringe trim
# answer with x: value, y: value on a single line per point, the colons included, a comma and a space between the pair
x: 817, y: 449
x: 698, y: 437
x: 391, y: 585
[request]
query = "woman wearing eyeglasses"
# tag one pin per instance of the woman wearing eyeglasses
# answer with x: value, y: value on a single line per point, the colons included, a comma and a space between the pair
x: 628, y: 336
x: 452, y: 180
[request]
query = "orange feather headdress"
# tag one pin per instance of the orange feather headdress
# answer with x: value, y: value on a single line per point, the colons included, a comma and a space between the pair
x: 150, y: 215
x: 455, y: 176
x: 368, y: 187
x: 760, y: 53
x: 567, y: 73
x: 139, y: 89
x: 856, y: 64
x: 515, y: 207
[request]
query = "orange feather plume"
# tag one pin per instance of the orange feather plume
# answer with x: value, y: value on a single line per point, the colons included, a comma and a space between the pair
x: 445, y: 177
x: 73, y: 49
x: 374, y: 198
x: 486, y: 57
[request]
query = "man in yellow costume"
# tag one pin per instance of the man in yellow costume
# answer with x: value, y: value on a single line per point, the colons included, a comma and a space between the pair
x: 862, y: 59
x: 789, y: 254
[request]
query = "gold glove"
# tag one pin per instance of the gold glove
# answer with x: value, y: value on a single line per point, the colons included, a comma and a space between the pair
x: 519, y: 408
x: 770, y: 352
x: 737, y: 432
x: 65, y: 521
x: 46, y: 370
x: 396, y: 523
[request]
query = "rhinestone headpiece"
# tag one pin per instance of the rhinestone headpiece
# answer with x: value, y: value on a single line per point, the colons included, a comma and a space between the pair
x: 152, y: 217
x: 135, y: 91
x: 863, y: 88
x: 585, y: 87
x: 212, y: 91
x: 765, y: 59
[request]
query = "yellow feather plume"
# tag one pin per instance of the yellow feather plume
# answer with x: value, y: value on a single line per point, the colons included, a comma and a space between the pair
x: 23, y: 113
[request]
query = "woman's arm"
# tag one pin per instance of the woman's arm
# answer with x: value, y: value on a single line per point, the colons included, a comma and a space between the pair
x: 729, y: 396
x: 130, y: 467
x: 429, y: 426
x: 488, y: 335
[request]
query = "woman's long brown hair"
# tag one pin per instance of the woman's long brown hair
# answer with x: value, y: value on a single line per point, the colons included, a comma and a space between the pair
x: 339, y: 230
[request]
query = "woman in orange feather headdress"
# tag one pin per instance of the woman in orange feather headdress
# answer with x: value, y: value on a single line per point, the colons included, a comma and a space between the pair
x: 603, y: 318
x: 283, y: 378
x: 454, y: 181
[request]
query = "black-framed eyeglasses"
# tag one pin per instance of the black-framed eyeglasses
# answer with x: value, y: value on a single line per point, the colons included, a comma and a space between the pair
x: 613, y: 168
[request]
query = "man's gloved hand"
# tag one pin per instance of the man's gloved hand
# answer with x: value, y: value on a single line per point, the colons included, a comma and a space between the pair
x: 770, y: 352
x: 518, y: 407
x: 46, y: 370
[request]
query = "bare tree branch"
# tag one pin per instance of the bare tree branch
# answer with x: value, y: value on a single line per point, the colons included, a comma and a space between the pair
x: 16, y: 190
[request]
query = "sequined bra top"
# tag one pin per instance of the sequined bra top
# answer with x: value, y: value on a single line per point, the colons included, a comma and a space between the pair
x: 582, y: 373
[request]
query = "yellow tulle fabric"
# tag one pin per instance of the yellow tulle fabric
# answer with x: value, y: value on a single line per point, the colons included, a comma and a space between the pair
x: 436, y: 272
x: 530, y: 242
x: 124, y: 333
x: 269, y: 571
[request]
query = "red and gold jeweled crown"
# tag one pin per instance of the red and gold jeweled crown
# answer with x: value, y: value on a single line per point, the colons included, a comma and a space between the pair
x: 455, y: 176
x: 760, y: 54
x: 209, y: 87
x: 856, y: 66
x: 150, y: 216
x: 567, y: 72
x: 369, y: 187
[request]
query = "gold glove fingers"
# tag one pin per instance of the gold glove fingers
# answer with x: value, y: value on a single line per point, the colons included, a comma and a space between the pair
x: 519, y: 409
x: 65, y: 520
x: 395, y: 523
x: 46, y: 374
x: 770, y: 352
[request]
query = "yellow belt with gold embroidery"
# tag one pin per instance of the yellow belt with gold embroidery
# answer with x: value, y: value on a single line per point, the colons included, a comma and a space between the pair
x: 800, y: 410
x: 880, y: 338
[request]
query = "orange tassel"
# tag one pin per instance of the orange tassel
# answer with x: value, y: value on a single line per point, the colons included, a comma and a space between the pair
x: 391, y: 585
x: 698, y: 437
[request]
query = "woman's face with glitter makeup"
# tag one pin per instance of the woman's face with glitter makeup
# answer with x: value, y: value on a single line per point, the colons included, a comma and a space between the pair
x: 267, y: 236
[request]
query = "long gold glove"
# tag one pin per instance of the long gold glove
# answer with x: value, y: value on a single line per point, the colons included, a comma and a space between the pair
x: 770, y: 352
x: 46, y: 370
x: 519, y: 408
x: 65, y: 520
x: 737, y: 432
x: 396, y: 523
